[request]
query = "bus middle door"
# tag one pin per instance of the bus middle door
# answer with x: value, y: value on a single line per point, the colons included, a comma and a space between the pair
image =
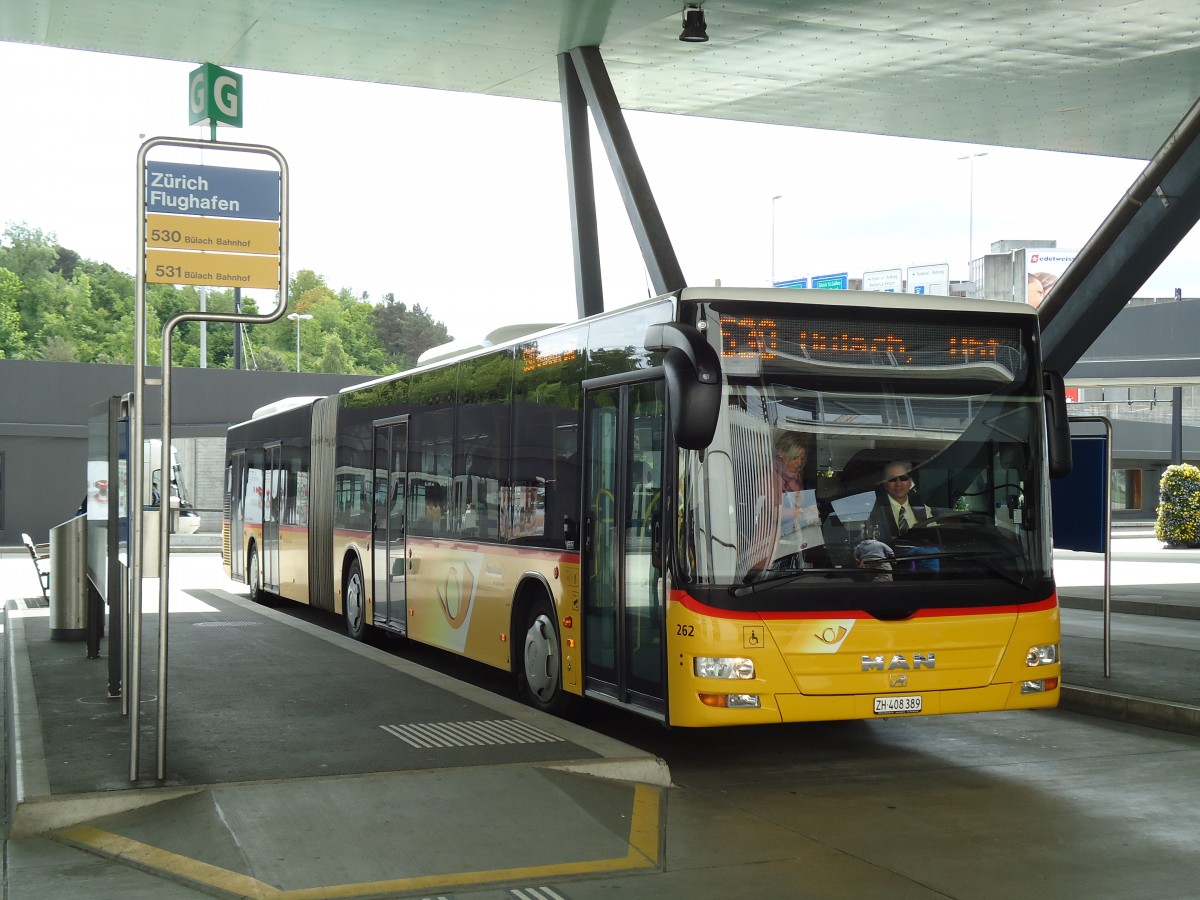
x: 388, y: 548
x: 274, y: 480
x: 623, y: 638
x: 235, y: 493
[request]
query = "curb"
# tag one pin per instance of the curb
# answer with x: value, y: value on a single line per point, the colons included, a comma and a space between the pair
x: 1133, y: 607
x: 1161, y: 714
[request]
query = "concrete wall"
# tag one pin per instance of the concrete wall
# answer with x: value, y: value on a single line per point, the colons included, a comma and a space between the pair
x: 44, y: 413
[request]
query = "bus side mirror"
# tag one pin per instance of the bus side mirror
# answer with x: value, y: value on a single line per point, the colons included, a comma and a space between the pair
x: 1058, y: 429
x: 693, y: 374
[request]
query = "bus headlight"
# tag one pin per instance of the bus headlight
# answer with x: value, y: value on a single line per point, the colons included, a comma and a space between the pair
x: 723, y: 667
x: 732, y: 701
x: 1039, y: 687
x: 1042, y: 655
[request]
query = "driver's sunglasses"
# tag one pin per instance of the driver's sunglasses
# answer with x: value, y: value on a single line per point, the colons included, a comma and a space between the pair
x: 898, y: 478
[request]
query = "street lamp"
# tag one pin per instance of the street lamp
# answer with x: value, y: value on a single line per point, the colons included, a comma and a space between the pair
x: 971, y: 211
x: 773, y: 199
x: 296, y: 317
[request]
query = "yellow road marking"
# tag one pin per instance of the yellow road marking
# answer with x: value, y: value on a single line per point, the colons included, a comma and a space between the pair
x: 644, y: 830
x: 146, y: 857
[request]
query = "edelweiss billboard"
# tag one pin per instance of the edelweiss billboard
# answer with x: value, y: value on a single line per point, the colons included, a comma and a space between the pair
x: 1043, y: 267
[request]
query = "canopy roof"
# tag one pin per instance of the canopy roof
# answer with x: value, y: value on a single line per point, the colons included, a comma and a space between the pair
x: 1074, y: 75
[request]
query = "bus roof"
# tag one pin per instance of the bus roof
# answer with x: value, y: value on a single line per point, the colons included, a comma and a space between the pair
x: 497, y: 336
x: 507, y: 334
x: 873, y: 299
x: 282, y: 406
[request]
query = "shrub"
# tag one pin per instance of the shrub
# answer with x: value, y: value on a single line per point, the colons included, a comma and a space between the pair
x: 1178, y: 522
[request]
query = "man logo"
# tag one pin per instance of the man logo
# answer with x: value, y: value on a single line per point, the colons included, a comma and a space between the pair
x: 898, y: 661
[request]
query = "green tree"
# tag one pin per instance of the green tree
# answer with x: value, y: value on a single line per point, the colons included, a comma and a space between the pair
x: 405, y: 334
x: 354, y: 325
x: 306, y: 280
x: 335, y: 359
x: 29, y: 253
x: 58, y: 349
x: 111, y: 294
x: 12, y: 337
x: 267, y: 360
x: 66, y: 261
x: 68, y: 307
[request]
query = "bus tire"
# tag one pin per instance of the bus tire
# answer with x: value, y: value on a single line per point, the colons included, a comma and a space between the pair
x: 540, y: 672
x: 254, y: 580
x: 354, y: 602
x: 253, y: 575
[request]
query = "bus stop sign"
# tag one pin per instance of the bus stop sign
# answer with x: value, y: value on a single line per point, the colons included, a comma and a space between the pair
x: 1079, y: 502
x: 215, y: 96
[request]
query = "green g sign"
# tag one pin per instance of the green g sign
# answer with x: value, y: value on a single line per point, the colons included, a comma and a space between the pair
x: 215, y: 96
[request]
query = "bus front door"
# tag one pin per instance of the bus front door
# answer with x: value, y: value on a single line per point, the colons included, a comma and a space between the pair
x: 623, y: 519
x: 235, y: 491
x: 391, y: 479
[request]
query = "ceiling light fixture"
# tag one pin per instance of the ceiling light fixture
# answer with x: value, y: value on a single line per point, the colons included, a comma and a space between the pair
x: 695, y: 29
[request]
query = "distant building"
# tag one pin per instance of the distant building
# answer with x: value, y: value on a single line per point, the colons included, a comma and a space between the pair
x: 1001, y: 274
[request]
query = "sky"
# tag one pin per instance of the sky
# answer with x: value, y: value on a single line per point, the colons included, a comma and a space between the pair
x: 459, y: 202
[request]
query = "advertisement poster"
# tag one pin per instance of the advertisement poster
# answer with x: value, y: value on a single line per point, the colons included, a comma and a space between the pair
x: 1042, y: 269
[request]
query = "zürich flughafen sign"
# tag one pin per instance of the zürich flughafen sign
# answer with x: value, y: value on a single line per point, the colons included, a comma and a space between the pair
x: 211, y: 191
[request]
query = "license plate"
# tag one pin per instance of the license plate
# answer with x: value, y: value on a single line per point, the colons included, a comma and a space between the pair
x: 891, y: 706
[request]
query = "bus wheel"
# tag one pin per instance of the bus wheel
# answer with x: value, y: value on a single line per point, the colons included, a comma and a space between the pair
x: 254, y: 580
x: 252, y: 575
x: 354, y: 602
x: 541, y: 667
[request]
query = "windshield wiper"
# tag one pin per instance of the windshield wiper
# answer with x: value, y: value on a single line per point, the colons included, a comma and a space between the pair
x: 779, y: 580
x: 979, y: 556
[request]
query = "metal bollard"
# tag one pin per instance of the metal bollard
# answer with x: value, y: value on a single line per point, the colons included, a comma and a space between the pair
x: 68, y: 580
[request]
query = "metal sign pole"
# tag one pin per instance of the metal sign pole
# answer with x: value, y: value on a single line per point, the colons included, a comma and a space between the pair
x: 1108, y: 443
x: 165, y: 449
x: 134, y: 498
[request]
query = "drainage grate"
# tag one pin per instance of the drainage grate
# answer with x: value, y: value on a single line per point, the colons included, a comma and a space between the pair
x: 470, y: 734
x: 233, y: 624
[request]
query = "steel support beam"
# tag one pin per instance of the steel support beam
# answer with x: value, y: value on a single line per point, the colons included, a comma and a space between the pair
x: 648, y: 227
x: 1156, y: 213
x: 581, y: 191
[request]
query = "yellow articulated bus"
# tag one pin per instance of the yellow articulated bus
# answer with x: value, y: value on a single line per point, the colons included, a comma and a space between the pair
x: 716, y: 507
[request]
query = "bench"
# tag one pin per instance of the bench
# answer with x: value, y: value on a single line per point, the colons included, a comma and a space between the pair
x: 40, y: 554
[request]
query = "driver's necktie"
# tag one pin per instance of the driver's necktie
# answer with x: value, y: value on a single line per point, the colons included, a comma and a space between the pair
x: 903, y: 521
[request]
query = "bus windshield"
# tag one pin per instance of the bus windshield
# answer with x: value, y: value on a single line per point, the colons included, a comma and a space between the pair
x: 829, y: 471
